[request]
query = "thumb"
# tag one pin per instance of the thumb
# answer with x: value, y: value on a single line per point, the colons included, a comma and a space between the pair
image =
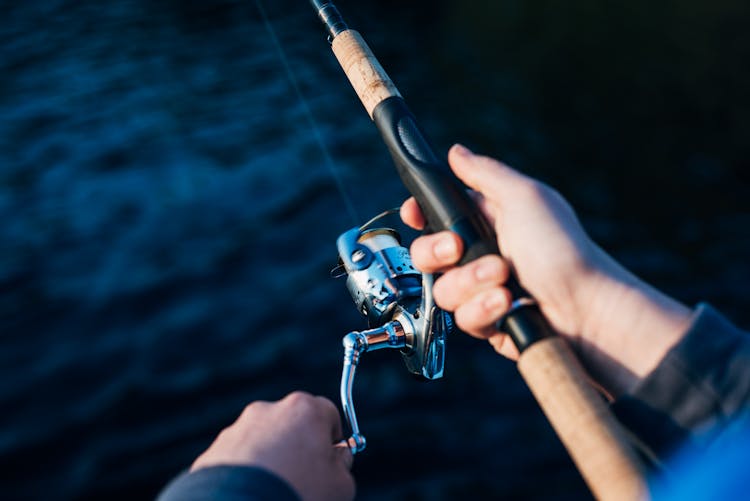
x: 493, y: 179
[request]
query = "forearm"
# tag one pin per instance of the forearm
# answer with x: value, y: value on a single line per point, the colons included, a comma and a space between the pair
x: 629, y: 328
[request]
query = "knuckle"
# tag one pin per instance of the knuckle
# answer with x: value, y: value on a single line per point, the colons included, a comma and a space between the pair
x: 505, y: 299
x: 467, y: 277
x: 465, y: 321
x: 229, y: 434
x: 478, y: 316
x: 442, y: 291
x: 299, y: 399
x: 223, y: 435
x: 307, y: 405
x: 419, y: 252
x: 531, y: 190
x: 252, y: 407
x: 495, y: 266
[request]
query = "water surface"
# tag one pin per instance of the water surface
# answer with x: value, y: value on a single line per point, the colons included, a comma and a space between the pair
x: 168, y: 219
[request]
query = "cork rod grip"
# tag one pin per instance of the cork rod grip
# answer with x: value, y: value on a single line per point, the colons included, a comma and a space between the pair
x: 367, y: 76
x: 589, y: 431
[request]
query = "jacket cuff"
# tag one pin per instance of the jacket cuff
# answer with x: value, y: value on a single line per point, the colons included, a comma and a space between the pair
x: 228, y: 483
x: 700, y: 384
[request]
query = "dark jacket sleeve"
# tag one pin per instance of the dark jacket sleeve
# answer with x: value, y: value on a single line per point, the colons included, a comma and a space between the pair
x: 228, y: 483
x: 701, y: 385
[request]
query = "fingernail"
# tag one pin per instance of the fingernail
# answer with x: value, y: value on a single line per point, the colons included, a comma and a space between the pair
x: 445, y: 248
x: 494, y: 301
x: 461, y: 150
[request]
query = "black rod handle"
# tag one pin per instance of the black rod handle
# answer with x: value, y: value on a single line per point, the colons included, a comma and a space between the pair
x: 447, y: 206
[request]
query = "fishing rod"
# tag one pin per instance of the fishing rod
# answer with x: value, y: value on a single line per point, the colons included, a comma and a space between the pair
x: 388, y: 290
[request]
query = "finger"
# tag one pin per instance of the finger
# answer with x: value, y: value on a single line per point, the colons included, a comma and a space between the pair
x: 486, y: 207
x: 460, y: 285
x: 344, y: 454
x: 250, y: 409
x: 411, y: 214
x: 479, y: 316
x: 331, y: 416
x: 495, y: 180
x: 504, y: 346
x: 436, y: 252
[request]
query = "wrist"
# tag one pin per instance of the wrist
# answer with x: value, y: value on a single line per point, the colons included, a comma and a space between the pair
x: 628, y: 326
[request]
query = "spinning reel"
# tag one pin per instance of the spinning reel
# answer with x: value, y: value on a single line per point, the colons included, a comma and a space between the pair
x: 397, y: 301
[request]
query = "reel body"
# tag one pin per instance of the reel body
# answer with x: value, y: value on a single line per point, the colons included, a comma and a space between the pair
x: 401, y: 313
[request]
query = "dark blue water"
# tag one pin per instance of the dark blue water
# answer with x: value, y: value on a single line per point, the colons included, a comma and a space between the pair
x: 168, y: 220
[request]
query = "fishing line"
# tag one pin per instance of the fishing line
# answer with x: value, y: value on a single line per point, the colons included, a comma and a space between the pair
x: 327, y: 157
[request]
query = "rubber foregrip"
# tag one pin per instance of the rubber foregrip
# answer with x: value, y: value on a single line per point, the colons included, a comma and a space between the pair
x: 443, y: 199
x: 590, y: 433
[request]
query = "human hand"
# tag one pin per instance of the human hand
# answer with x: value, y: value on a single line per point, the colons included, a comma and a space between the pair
x: 620, y: 326
x: 293, y: 438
